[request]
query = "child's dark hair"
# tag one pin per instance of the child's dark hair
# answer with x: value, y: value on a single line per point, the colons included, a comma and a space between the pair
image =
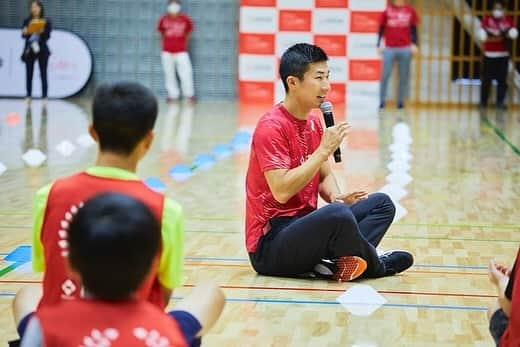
x: 123, y: 113
x: 296, y: 59
x: 113, y: 241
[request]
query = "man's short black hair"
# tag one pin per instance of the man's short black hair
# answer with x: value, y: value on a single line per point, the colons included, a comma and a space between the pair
x: 113, y: 241
x: 123, y: 113
x: 296, y: 59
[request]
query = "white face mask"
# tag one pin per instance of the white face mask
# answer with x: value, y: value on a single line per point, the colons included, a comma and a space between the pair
x: 498, y: 13
x: 174, y: 8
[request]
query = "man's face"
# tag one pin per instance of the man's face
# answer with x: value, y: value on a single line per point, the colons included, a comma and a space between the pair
x: 311, y: 91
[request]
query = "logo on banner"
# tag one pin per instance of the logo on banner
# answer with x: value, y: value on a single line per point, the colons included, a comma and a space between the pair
x: 362, y: 46
x: 337, y: 93
x: 256, y: 91
x: 367, y: 5
x: 334, y: 45
x: 257, y: 67
x: 295, y: 20
x: 295, y: 4
x: 266, y: 3
x: 365, y: 70
x: 332, y: 3
x: 338, y: 69
x: 364, y: 22
x: 327, y: 21
x: 286, y: 40
x: 257, y: 44
x: 258, y: 20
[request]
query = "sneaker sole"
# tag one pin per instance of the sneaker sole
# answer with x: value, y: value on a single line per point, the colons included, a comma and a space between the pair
x: 349, y: 268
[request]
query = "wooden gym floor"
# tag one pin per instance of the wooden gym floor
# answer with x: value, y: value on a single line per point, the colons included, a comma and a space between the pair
x: 453, y: 173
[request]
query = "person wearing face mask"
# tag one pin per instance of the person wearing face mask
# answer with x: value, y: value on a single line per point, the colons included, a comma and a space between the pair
x: 496, y: 32
x: 175, y: 29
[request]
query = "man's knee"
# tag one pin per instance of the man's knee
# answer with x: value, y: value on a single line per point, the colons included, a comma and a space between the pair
x: 492, y: 308
x: 385, y: 203
x: 339, y: 213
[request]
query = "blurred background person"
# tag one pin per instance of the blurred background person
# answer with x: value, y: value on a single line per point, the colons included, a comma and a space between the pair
x: 398, y: 25
x: 496, y: 31
x: 175, y: 29
x: 36, y: 31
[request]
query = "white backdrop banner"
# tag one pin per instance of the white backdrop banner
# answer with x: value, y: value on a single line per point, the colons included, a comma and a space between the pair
x: 70, y: 65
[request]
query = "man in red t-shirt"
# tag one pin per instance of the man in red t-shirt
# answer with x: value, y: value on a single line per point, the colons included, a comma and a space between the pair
x: 113, y: 241
x: 175, y: 29
x: 286, y: 235
x: 496, y: 32
x: 398, y: 25
x: 504, y: 314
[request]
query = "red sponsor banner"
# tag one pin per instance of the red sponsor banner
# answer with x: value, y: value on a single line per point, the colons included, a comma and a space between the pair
x: 262, y: 3
x: 364, y: 22
x: 257, y: 44
x: 334, y: 45
x: 255, y: 92
x: 294, y: 20
x: 337, y: 93
x: 332, y: 3
x: 365, y: 70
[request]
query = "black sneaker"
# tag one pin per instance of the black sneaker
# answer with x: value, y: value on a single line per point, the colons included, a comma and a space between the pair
x: 400, y: 106
x: 396, y: 261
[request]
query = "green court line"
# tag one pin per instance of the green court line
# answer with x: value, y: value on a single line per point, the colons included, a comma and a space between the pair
x: 397, y: 237
x: 8, y: 269
x: 461, y: 225
x: 436, y: 225
x: 501, y: 135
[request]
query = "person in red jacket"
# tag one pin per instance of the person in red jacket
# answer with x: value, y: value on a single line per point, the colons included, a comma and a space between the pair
x: 124, y: 115
x: 496, y: 31
x: 113, y: 242
x: 504, y: 314
x: 175, y: 29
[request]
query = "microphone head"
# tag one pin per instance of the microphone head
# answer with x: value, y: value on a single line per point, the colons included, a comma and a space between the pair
x: 326, y: 106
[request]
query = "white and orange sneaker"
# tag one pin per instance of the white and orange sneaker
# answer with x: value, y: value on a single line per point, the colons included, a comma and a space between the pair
x: 342, y: 269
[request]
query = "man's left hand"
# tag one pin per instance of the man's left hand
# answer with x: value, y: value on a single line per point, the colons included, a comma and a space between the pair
x: 350, y: 198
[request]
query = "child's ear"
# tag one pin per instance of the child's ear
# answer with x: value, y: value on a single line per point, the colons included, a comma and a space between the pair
x: 149, y: 139
x: 92, y: 132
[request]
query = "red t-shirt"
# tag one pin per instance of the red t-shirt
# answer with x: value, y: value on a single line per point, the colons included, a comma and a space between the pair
x: 511, y: 337
x: 175, y: 31
x: 490, y: 23
x: 280, y: 141
x: 397, y: 22
x: 119, y: 324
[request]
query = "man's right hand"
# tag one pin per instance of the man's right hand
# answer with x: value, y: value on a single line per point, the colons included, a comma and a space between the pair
x: 332, y: 138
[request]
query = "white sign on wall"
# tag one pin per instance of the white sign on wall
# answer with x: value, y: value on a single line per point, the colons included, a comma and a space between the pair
x: 69, y: 69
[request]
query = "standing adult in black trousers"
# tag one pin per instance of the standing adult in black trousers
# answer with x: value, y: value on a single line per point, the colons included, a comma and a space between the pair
x: 36, y: 46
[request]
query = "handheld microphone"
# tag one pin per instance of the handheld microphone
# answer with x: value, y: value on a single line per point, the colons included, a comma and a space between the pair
x: 326, y: 109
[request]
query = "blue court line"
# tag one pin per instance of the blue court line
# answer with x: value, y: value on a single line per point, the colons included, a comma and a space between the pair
x: 467, y: 267
x: 241, y: 260
x: 316, y: 302
x: 319, y: 302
